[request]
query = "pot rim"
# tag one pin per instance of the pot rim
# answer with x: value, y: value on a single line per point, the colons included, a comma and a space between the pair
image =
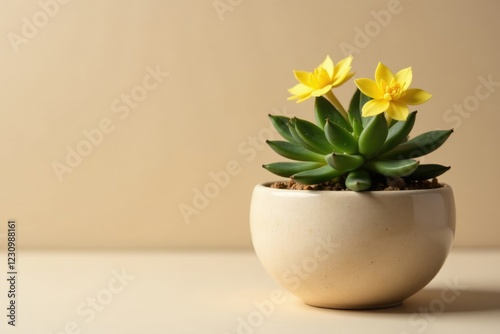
x: 445, y: 187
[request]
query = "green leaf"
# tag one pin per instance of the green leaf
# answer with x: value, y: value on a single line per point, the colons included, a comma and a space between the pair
x: 318, y: 175
x: 324, y: 110
x: 419, y: 146
x: 294, y: 151
x: 358, y: 180
x: 392, y: 167
x: 281, y: 125
x: 298, y: 139
x: 373, y: 136
x: 398, y: 132
x: 429, y: 171
x: 362, y: 100
x: 313, y: 135
x: 341, y: 139
x: 345, y: 162
x: 287, y: 169
x: 357, y: 128
x: 354, y: 109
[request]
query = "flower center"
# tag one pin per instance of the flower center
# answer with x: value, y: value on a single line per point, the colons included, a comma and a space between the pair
x: 320, y: 78
x: 393, y: 91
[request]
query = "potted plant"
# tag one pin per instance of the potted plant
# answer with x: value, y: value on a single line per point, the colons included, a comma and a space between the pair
x: 360, y: 223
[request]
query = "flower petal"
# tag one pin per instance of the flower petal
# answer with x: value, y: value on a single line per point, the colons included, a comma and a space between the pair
x: 300, y: 97
x: 300, y: 89
x: 404, y: 76
x: 415, y: 96
x: 369, y: 88
x: 303, y: 98
x: 383, y: 73
x: 300, y: 92
x: 342, y: 70
x: 374, y: 107
x: 340, y: 80
x: 327, y: 64
x: 321, y: 91
x: 303, y: 77
x: 398, y: 111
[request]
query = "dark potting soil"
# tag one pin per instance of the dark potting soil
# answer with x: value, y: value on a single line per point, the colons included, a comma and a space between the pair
x: 383, y: 184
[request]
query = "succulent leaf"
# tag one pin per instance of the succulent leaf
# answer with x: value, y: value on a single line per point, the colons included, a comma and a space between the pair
x: 354, y: 108
x: 280, y: 123
x: 398, y: 132
x: 373, y: 136
x: 341, y: 139
x: 345, y: 162
x: 357, y: 128
x: 418, y: 146
x: 318, y: 175
x: 298, y: 139
x: 392, y: 167
x: 429, y: 171
x: 325, y: 110
x: 313, y: 136
x: 294, y: 151
x: 358, y: 180
x: 362, y: 100
x: 287, y: 169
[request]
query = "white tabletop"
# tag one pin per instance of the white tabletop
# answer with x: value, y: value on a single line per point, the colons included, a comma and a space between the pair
x: 228, y: 292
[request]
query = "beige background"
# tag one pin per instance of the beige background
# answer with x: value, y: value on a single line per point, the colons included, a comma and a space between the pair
x: 223, y: 66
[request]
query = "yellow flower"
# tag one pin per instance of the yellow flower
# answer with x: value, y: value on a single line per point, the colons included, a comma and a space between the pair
x: 390, y: 93
x: 319, y: 82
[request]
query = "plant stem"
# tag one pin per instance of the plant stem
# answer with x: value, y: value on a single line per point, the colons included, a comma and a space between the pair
x: 335, y: 102
x: 389, y: 119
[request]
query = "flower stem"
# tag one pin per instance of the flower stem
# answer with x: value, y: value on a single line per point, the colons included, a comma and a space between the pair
x: 333, y: 100
x: 388, y: 118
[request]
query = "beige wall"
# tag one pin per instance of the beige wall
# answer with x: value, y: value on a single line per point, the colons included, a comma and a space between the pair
x: 217, y: 74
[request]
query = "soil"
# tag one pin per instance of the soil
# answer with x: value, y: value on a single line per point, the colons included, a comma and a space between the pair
x: 384, y: 184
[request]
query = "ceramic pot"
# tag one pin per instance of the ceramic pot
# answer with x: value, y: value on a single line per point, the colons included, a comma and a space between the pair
x: 352, y: 250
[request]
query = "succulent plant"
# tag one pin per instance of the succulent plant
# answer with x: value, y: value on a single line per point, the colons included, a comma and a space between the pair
x: 356, y: 147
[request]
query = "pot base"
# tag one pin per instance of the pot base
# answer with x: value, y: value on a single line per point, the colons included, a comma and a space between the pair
x: 356, y: 307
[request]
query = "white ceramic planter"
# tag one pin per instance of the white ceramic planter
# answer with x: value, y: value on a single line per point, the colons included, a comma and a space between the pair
x: 349, y: 250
